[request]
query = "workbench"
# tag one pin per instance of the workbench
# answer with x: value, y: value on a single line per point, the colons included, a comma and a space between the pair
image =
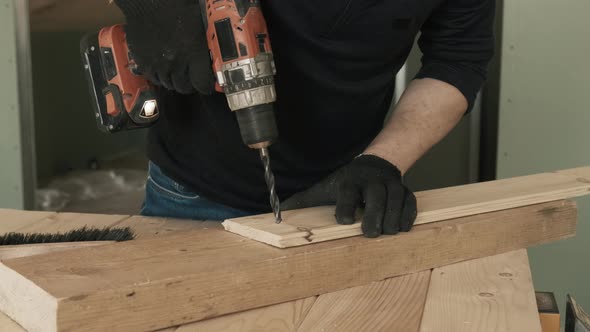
x: 493, y: 293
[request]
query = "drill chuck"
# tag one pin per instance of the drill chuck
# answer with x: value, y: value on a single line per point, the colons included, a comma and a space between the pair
x: 258, y: 125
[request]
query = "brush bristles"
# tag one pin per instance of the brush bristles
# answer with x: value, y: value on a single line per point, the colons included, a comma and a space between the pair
x: 84, y: 234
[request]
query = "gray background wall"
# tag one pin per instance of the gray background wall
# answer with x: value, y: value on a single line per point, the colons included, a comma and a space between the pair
x: 544, y: 120
x: 67, y: 136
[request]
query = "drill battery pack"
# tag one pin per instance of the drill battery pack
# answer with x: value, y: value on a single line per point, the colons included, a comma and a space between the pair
x: 122, y: 99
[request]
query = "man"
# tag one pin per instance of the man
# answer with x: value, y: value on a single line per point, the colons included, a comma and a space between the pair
x: 336, y: 61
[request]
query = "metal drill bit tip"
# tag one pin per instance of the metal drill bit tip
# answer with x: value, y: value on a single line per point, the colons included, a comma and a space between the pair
x: 270, y: 183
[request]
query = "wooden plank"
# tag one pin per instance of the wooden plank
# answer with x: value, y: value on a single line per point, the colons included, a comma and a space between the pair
x: 63, y: 222
x: 46, y: 222
x: 15, y: 220
x: 8, y: 325
x: 49, y: 222
x: 581, y: 173
x: 9, y: 252
x: 577, y: 319
x: 145, y: 227
x: 176, y: 279
x: 303, y: 227
x: 283, y: 317
x: 490, y: 294
x: 394, y: 304
x: 550, y: 321
x: 280, y: 317
x: 27, y: 221
x: 33, y: 221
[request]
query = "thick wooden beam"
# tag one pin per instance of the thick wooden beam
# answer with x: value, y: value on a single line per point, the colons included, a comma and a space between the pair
x: 279, y: 317
x: 175, y: 279
x: 64, y: 222
x: 17, y: 220
x: 307, y: 226
x: 8, y: 325
x: 490, y: 294
x: 394, y: 304
x: 43, y: 222
x: 27, y: 250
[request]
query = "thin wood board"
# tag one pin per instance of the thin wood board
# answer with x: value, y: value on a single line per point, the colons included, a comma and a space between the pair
x: 313, y: 225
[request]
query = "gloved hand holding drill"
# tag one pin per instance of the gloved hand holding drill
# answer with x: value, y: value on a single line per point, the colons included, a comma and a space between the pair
x: 334, y: 85
x: 167, y: 39
x: 169, y: 46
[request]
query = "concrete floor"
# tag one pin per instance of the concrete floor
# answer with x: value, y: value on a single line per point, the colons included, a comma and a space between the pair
x: 132, y: 168
x: 127, y: 203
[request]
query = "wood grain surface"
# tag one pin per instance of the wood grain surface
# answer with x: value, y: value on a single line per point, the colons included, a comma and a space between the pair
x: 43, y: 222
x: 174, y: 279
x: 27, y: 250
x: 59, y: 15
x: 394, y: 304
x: 280, y: 317
x: 490, y: 294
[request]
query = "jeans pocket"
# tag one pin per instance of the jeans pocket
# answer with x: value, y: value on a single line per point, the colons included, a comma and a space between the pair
x: 167, y: 186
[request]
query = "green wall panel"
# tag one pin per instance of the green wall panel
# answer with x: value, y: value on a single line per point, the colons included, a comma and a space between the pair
x: 544, y: 121
x: 11, y: 186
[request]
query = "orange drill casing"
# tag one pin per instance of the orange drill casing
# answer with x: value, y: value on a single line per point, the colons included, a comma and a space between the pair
x: 243, y: 63
x: 122, y: 99
x: 241, y: 53
x: 235, y: 33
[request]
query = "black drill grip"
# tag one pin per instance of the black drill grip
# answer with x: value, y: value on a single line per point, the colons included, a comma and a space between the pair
x: 257, y: 124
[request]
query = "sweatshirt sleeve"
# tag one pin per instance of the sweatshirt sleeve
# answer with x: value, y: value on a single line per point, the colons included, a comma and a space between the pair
x: 457, y: 43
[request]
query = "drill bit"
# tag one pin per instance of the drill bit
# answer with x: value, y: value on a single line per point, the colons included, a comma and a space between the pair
x: 270, y: 182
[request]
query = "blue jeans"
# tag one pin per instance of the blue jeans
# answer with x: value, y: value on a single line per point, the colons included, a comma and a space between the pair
x: 165, y: 197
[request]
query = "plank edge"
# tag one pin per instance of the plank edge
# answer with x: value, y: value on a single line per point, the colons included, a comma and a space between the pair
x: 27, y: 297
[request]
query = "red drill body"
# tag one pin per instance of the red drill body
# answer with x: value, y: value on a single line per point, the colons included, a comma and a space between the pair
x: 242, y: 61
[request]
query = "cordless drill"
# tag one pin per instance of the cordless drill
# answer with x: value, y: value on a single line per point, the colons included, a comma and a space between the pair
x: 243, y: 66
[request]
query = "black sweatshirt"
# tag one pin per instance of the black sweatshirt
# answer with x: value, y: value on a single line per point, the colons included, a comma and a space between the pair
x: 336, y: 62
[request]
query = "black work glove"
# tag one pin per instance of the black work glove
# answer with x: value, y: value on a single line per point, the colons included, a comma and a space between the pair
x: 168, y: 42
x: 369, y: 181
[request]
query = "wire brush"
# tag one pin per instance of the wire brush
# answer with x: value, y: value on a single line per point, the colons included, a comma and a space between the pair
x: 84, y: 234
